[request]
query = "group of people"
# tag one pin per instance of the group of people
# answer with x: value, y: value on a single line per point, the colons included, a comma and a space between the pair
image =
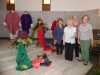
x: 15, y: 23
x: 72, y: 36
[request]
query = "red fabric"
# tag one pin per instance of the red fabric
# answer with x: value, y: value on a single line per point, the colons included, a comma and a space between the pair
x: 12, y: 20
x: 41, y: 38
x: 54, y: 25
x: 48, y: 50
x: 36, y: 62
x: 23, y: 35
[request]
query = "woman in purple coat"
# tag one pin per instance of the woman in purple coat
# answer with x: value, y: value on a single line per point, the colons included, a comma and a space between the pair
x: 26, y: 21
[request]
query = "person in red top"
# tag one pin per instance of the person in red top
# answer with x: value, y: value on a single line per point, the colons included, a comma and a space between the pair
x: 40, y: 35
x: 40, y: 28
x: 54, y: 25
x: 12, y: 23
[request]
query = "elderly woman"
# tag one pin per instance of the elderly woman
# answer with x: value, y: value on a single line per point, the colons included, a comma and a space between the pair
x: 86, y: 38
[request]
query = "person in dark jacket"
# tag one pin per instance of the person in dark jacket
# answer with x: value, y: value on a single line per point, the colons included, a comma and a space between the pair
x: 58, y: 37
x: 26, y: 21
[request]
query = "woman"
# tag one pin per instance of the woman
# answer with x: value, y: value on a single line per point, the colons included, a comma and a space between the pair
x: 12, y: 23
x: 69, y: 39
x: 40, y: 28
x: 86, y: 38
x: 58, y: 37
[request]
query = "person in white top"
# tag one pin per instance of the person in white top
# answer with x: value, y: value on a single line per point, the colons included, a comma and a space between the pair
x: 69, y: 39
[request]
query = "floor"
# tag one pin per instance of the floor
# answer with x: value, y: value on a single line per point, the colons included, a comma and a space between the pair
x: 59, y: 65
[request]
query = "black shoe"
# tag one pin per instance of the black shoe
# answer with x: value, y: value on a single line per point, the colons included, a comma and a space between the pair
x: 68, y: 59
x: 85, y: 63
x: 58, y: 53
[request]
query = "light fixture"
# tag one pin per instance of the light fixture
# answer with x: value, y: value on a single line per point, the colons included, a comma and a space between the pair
x: 12, y: 1
x: 10, y: 4
x: 46, y: 1
x: 46, y: 5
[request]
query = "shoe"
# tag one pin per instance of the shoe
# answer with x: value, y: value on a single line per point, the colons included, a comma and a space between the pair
x: 68, y: 59
x: 79, y: 59
x: 58, y: 53
x: 85, y: 63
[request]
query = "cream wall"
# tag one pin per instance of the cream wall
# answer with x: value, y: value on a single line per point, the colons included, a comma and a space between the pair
x: 58, y: 5
x: 29, y: 5
x: 92, y: 4
x: 74, y: 5
x: 66, y: 5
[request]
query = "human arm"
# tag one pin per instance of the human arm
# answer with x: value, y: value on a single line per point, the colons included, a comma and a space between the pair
x: 91, y: 36
x: 64, y: 37
x: 78, y: 37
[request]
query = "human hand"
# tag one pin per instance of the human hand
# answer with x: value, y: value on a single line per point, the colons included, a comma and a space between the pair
x: 63, y: 43
x: 91, y: 43
x: 78, y: 41
x: 5, y: 24
x: 55, y: 41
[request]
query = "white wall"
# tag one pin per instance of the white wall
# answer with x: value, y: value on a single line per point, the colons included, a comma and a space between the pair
x: 75, y: 5
x: 58, y: 5
x: 66, y: 5
x: 92, y: 4
x: 30, y: 5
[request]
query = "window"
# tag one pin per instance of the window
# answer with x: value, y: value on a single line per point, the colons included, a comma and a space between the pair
x: 10, y: 4
x: 46, y: 5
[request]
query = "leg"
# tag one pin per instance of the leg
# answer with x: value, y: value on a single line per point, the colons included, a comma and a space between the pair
x: 66, y: 51
x: 57, y: 47
x: 71, y: 47
x: 86, y: 50
x: 11, y: 36
x: 28, y: 30
x: 16, y: 34
x: 82, y: 44
x: 24, y: 29
x: 61, y: 48
x: 53, y: 39
x: 42, y: 42
x: 76, y: 49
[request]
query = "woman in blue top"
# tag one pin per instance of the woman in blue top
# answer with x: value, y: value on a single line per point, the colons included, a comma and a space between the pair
x: 58, y: 37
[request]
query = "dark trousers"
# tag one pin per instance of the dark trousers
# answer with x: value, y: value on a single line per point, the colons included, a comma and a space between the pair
x: 77, y: 49
x: 59, y: 48
x: 69, y: 48
x: 24, y: 29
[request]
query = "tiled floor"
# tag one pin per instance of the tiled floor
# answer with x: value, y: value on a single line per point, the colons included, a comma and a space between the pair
x: 59, y: 66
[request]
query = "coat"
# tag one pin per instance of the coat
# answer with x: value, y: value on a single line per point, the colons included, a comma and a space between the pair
x: 26, y: 22
x: 12, y: 21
